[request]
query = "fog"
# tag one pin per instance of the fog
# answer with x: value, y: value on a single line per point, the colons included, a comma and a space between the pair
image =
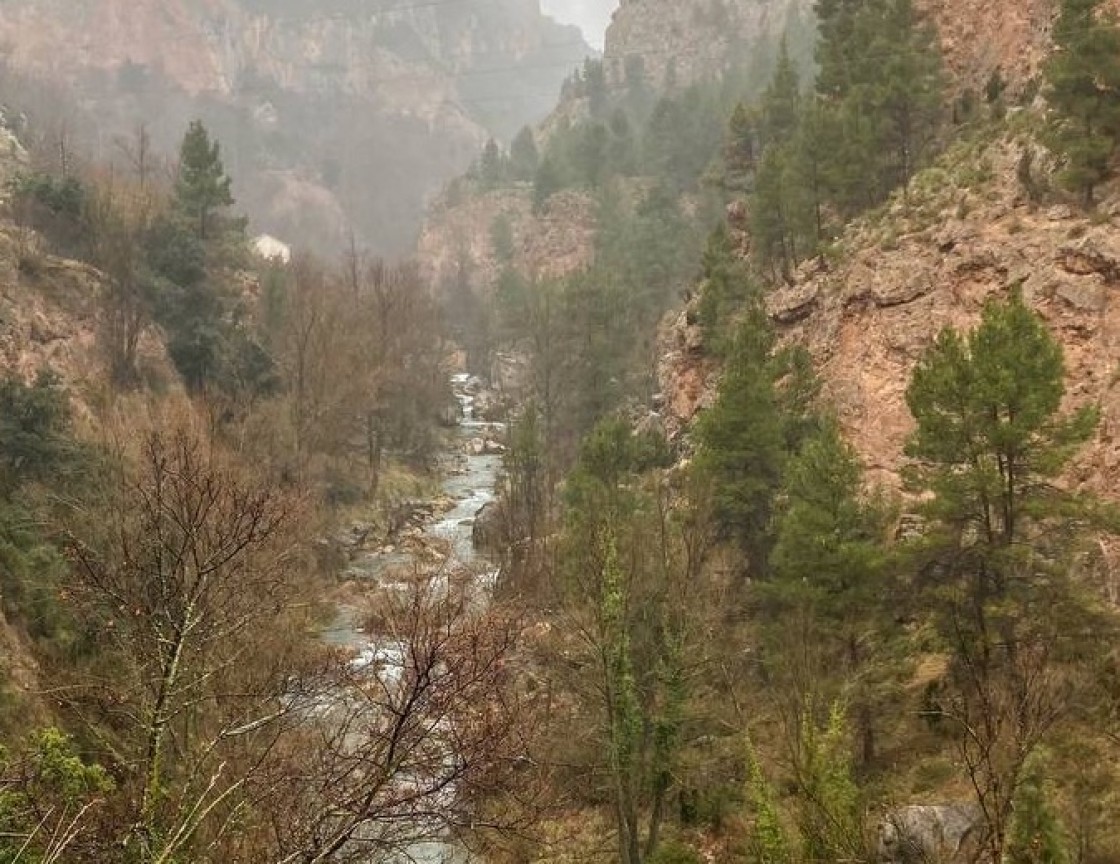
x: 591, y: 16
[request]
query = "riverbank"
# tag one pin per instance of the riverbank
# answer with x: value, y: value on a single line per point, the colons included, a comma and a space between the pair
x: 424, y: 538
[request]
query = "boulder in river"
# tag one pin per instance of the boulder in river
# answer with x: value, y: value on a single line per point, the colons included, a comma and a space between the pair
x: 489, y: 525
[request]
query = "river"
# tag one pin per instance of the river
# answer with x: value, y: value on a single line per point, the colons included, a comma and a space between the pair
x: 470, y: 473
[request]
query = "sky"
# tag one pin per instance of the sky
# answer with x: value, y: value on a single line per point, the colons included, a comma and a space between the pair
x: 591, y: 16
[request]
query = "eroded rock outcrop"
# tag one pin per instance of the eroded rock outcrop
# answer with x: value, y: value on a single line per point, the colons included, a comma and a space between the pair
x: 931, y: 259
x: 947, y: 833
x: 456, y: 247
x: 933, y: 262
x: 680, y: 42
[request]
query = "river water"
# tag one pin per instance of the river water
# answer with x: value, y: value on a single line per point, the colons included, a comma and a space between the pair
x: 470, y: 481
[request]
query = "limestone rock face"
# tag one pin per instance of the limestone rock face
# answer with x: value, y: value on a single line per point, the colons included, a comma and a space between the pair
x: 681, y: 42
x: 456, y: 244
x: 332, y: 115
x: 871, y: 309
x: 933, y: 263
x: 686, y: 374
x: 930, y: 832
x: 1011, y: 36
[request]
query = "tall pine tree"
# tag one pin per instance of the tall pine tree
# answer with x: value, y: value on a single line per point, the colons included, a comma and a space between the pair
x: 1000, y: 560
x: 1083, y: 89
x: 203, y: 189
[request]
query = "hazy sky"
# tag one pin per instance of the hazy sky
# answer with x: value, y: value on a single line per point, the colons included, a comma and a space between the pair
x: 592, y: 16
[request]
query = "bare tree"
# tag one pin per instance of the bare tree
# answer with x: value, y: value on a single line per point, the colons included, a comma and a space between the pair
x: 417, y: 742
x: 186, y: 574
x: 118, y: 214
x: 362, y: 356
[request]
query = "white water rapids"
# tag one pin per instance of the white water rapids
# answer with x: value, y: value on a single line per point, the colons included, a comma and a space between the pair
x: 470, y: 483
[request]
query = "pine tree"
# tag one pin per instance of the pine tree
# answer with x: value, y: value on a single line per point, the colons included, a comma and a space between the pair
x: 492, y: 165
x: 780, y: 102
x: 742, y: 447
x: 881, y: 89
x: 837, y: 51
x: 1083, y: 89
x: 830, y: 568
x: 772, y: 211
x: 523, y: 155
x: 203, y: 190
x: 1002, y: 543
x: 910, y: 97
x: 989, y: 435
x: 1036, y: 835
x: 739, y: 149
x: 548, y: 180
x: 727, y: 286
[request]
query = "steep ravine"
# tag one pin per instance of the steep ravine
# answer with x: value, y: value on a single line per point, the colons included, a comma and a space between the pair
x: 333, y: 116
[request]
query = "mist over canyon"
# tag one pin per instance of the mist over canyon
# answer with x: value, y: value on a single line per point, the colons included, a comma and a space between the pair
x: 336, y: 118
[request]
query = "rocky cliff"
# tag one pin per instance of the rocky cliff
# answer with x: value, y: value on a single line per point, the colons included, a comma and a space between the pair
x: 1011, y: 37
x: 967, y: 232
x: 933, y: 262
x: 340, y: 114
x: 678, y: 42
x: 671, y: 44
x: 457, y: 238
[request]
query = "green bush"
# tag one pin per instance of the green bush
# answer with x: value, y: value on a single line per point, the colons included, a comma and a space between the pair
x: 675, y: 852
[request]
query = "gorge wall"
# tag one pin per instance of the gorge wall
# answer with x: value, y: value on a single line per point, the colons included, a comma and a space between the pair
x: 334, y: 116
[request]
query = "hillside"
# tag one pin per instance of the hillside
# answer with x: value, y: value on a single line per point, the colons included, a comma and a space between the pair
x: 681, y: 43
x: 870, y: 308
x: 694, y: 55
x: 338, y: 116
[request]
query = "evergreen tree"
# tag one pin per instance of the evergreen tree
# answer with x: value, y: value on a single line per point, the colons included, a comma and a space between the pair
x: 1036, y: 835
x: 1002, y: 543
x: 772, y: 211
x: 989, y: 436
x: 589, y: 156
x: 1083, y: 78
x: 727, y: 287
x: 910, y: 97
x: 595, y: 87
x: 548, y: 180
x: 837, y: 49
x: 881, y: 87
x: 35, y: 440
x: 742, y: 447
x: 202, y: 190
x: 780, y: 102
x: 492, y: 165
x: 830, y: 573
x: 523, y: 155
x: 739, y: 149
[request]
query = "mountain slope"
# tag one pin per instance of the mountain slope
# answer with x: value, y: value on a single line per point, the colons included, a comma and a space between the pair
x: 659, y: 46
x: 869, y: 309
x: 336, y: 115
